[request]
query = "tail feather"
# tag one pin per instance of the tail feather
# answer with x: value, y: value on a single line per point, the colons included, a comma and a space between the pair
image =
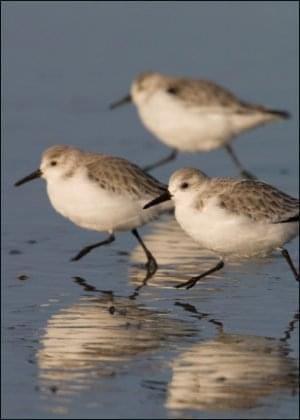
x: 290, y: 219
x: 280, y: 114
x: 253, y: 108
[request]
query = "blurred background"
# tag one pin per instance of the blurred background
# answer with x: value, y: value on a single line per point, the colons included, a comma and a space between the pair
x: 63, y: 63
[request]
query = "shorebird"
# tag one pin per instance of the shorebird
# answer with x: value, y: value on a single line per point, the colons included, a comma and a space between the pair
x: 99, y: 192
x: 194, y: 115
x: 232, y: 217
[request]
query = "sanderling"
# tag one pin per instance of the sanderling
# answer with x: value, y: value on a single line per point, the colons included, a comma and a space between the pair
x: 232, y: 217
x: 194, y: 115
x: 99, y: 192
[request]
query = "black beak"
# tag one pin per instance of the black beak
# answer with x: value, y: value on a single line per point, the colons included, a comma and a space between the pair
x: 164, y: 197
x: 122, y: 101
x: 35, y: 174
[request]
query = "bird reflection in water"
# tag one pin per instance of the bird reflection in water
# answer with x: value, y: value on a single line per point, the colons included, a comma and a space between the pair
x: 102, y: 336
x: 170, y: 244
x: 96, y: 337
x: 231, y: 371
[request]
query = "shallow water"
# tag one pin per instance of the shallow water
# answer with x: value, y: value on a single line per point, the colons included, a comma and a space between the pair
x: 84, y: 340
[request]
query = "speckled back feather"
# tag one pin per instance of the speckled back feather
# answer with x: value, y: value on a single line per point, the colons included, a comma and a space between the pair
x: 120, y: 176
x: 197, y: 93
x: 254, y: 199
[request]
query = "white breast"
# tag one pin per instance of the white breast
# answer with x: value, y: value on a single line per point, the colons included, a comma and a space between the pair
x: 192, y: 129
x: 91, y: 207
x: 228, y: 234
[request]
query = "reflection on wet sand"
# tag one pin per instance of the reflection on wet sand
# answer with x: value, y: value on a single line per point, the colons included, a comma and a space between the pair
x: 231, y: 371
x: 178, y: 256
x: 95, y: 337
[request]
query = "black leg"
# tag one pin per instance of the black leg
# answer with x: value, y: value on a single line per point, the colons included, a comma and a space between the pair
x: 89, y: 248
x: 244, y: 173
x: 160, y: 162
x: 191, y: 283
x: 151, y: 264
x: 286, y: 255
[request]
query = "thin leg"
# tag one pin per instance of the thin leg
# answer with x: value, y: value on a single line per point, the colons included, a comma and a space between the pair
x: 287, y: 256
x: 160, y: 162
x: 151, y: 264
x: 191, y: 283
x: 244, y: 172
x: 89, y: 248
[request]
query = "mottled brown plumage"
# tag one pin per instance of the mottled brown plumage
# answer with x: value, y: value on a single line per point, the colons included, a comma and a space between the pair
x: 111, y: 173
x: 197, y: 93
x: 254, y: 199
x: 121, y: 176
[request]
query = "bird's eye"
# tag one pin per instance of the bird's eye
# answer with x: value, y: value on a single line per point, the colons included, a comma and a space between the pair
x: 184, y: 185
x: 172, y: 90
x: 53, y: 163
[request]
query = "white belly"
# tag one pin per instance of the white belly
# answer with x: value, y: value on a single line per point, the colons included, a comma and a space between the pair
x: 215, y: 229
x: 191, y: 129
x: 91, y: 207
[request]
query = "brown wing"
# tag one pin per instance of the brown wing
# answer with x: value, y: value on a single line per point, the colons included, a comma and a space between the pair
x: 123, y: 177
x: 260, y: 202
x: 203, y: 92
x: 197, y: 93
